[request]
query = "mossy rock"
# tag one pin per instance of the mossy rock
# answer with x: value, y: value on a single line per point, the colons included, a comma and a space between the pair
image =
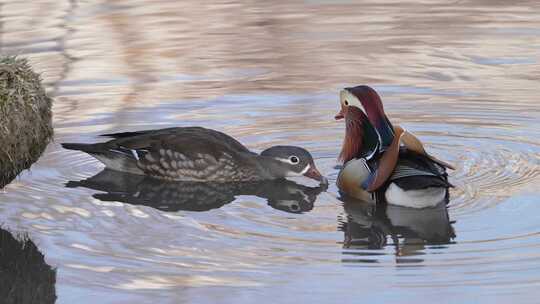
x: 25, y: 277
x: 25, y: 117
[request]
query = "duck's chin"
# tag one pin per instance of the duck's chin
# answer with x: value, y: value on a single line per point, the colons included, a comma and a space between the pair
x: 303, y: 180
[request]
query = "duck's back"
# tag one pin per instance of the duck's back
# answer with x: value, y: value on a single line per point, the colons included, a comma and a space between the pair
x: 415, y: 171
x: 197, y: 137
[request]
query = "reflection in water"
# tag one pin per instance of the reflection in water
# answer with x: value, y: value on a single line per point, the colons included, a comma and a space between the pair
x: 25, y: 278
x: 369, y: 226
x: 196, y: 196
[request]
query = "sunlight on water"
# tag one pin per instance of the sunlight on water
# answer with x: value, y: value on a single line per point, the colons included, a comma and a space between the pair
x: 463, y: 76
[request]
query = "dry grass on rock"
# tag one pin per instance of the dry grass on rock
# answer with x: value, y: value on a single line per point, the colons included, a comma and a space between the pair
x: 25, y: 117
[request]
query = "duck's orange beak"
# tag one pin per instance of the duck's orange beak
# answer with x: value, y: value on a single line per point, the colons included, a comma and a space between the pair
x: 313, y: 173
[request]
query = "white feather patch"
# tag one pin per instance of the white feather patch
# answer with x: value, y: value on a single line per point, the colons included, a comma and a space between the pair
x: 422, y: 198
x: 134, y: 152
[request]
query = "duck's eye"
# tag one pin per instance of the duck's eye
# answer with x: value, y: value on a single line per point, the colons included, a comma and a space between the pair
x: 346, y: 102
x: 294, y: 159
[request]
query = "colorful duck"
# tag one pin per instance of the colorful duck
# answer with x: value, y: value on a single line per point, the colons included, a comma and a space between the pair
x: 380, y: 158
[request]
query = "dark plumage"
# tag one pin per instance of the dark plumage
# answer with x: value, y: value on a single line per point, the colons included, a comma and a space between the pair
x: 196, y: 154
x: 416, y: 171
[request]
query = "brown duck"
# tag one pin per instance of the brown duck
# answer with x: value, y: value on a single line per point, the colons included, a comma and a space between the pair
x: 197, y: 154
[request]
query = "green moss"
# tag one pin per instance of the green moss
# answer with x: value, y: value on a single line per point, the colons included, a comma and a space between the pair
x: 25, y: 117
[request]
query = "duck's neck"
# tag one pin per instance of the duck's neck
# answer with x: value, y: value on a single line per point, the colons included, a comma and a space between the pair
x: 352, y: 143
x: 361, y: 140
x: 385, y: 129
x: 379, y: 120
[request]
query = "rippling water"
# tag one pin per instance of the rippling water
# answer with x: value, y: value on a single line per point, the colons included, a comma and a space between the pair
x: 463, y: 76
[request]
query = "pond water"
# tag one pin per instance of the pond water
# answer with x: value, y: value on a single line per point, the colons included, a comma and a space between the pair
x: 462, y: 75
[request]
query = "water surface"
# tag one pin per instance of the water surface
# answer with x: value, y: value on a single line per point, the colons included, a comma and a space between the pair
x: 462, y: 75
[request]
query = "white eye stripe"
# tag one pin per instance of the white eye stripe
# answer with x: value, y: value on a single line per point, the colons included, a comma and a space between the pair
x: 289, y: 160
x: 348, y: 99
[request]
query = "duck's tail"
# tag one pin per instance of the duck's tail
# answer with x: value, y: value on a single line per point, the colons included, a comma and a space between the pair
x: 88, y: 148
x: 115, y: 159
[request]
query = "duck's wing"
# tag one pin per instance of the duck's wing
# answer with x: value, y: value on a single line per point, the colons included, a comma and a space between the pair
x: 417, y: 171
x: 186, y: 153
x: 412, y: 143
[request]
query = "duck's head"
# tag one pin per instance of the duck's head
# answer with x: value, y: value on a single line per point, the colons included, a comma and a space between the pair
x: 290, y: 161
x: 366, y: 100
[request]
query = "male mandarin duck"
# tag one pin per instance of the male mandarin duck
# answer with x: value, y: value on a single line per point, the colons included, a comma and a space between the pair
x: 375, y: 162
x: 197, y: 154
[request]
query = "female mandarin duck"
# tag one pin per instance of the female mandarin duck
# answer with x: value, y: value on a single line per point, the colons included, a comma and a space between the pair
x: 197, y: 154
x: 375, y: 162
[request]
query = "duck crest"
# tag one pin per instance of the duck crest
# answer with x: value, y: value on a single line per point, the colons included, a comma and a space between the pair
x: 373, y: 105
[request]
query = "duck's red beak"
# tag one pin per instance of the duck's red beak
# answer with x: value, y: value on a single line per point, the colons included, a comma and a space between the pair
x: 341, y: 114
x: 313, y: 173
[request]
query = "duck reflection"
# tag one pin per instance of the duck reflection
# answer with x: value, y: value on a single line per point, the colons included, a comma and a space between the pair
x: 170, y: 196
x: 368, y: 226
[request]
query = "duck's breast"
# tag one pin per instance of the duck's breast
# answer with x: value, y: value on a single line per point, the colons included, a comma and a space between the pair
x: 351, y: 178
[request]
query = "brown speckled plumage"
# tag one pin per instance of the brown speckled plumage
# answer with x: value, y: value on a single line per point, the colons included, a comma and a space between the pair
x: 186, y: 154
